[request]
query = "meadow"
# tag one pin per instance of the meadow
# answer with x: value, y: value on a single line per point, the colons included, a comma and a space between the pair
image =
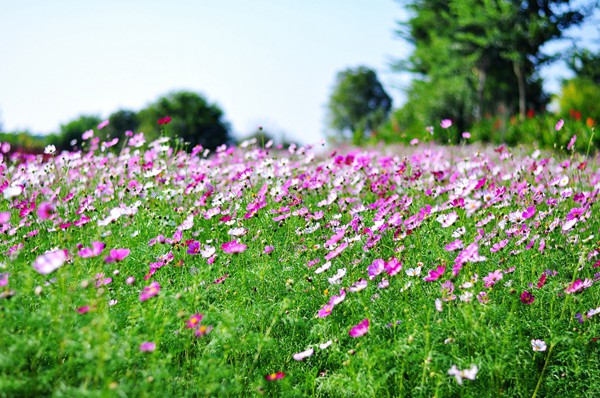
x: 137, y: 269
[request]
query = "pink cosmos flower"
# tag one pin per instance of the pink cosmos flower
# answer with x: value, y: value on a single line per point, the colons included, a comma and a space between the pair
x: 103, y: 124
x: 336, y: 237
x: 530, y: 212
x: 4, y: 217
x: 435, y: 274
x: 4, y: 279
x: 499, y: 246
x: 446, y: 123
x: 268, y: 249
x: 117, y: 255
x: 483, y: 298
x: 49, y: 262
x: 150, y: 291
x: 87, y: 135
x: 360, y: 329
x: 84, y: 309
x: 559, y: 125
x: 194, y: 321
x: 193, y: 247
x: 336, y: 252
x: 325, y: 311
x: 578, y: 285
x: 376, y: 268
x: 148, y: 346
x: 95, y: 250
x: 45, y: 210
x: 466, y: 135
x: 203, y: 330
x: 303, y: 355
x: 393, y: 266
x: 457, y: 244
x: 492, y: 278
x: 233, y: 247
x: 571, y: 143
x: 274, y: 376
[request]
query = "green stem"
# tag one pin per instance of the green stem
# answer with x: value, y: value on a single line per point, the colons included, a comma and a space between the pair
x: 539, y: 383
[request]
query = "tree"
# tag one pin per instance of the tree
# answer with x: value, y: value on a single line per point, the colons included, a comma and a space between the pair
x: 358, y: 103
x: 580, y: 96
x: 193, y: 119
x: 70, y: 133
x: 122, y: 121
x: 586, y: 65
x: 494, y: 47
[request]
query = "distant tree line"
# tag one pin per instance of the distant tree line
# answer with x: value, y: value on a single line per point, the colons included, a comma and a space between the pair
x: 471, y: 60
x: 183, y: 115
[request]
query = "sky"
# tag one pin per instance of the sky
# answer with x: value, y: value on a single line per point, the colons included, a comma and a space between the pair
x: 268, y: 63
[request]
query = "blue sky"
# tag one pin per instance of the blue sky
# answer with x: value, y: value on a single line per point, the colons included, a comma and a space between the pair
x: 264, y: 62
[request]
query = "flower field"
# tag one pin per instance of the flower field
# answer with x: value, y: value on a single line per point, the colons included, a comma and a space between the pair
x: 139, y: 269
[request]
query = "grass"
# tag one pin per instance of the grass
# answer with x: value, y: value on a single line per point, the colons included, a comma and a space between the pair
x: 71, y: 332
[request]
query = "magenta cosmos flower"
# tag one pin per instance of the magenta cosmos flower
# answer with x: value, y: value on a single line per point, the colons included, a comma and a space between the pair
x: 164, y: 120
x: 274, y: 376
x: 233, y: 247
x: 527, y: 297
x: 435, y: 274
x: 148, y: 346
x: 446, y: 123
x: 45, y: 210
x: 93, y: 251
x: 194, y: 321
x: 117, y: 255
x: 150, y: 291
x: 360, y: 329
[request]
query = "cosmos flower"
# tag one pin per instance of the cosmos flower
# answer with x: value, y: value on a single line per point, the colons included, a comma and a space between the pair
x: 538, y: 345
x: 274, y: 376
x: 117, y: 255
x: 164, y: 120
x: 435, y: 274
x: 559, y: 125
x: 460, y: 375
x: 50, y: 262
x: 303, y: 355
x: 360, y: 329
x: 150, y: 291
x: 95, y: 250
x: 492, y: 278
x: 148, y: 346
x: 527, y: 297
x: 233, y: 247
x: 194, y: 321
x: 446, y: 123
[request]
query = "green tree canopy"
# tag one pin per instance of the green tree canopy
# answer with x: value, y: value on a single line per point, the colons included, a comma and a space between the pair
x: 586, y: 65
x: 486, y: 53
x: 358, y: 103
x: 71, y: 132
x: 122, y: 121
x: 193, y: 119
